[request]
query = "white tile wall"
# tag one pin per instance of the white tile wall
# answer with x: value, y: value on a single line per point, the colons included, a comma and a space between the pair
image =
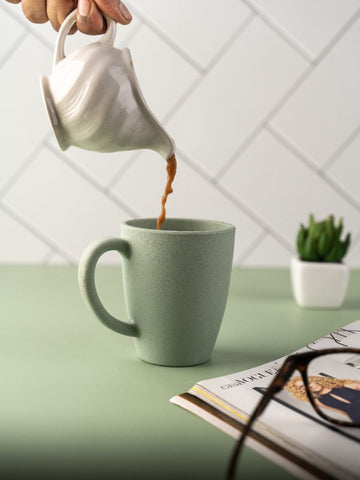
x: 11, y: 33
x: 63, y: 205
x: 18, y: 243
x: 23, y: 118
x: 310, y: 25
x: 261, y: 97
x: 235, y: 97
x: 194, y: 27
x: 342, y: 170
x: 325, y: 109
x: 288, y: 182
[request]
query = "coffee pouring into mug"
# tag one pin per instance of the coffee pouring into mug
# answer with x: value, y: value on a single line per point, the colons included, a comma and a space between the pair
x: 94, y: 101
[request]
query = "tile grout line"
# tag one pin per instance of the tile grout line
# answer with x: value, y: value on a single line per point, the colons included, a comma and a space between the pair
x: 355, y: 240
x: 293, y: 148
x: 182, y: 99
x: 252, y: 247
x: 337, y: 37
x: 238, y: 152
x: 121, y: 172
x: 340, y: 190
x: 14, y: 47
x: 24, y: 165
x: 182, y: 52
x: 128, y: 37
x: 258, y: 241
x: 168, y: 40
x: 254, y: 216
x: 194, y: 165
x: 25, y: 24
x: 36, y: 232
x: 280, y: 137
x: 51, y: 253
x: 190, y: 90
x: 230, y: 42
x: 286, y: 36
x: 342, y: 148
x: 47, y: 257
x: 239, y: 204
x: 92, y: 181
x: 18, y: 218
x: 317, y: 170
x: 278, y: 105
x: 315, y: 60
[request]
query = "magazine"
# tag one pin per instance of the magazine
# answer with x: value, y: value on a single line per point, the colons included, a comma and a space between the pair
x: 289, y: 431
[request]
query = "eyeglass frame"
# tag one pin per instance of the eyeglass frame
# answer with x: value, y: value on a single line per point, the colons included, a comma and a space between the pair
x: 296, y: 361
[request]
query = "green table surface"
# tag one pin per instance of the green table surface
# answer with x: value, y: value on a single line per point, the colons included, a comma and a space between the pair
x: 77, y: 403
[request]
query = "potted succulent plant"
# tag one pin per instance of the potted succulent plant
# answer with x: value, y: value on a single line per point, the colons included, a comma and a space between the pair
x: 319, y: 277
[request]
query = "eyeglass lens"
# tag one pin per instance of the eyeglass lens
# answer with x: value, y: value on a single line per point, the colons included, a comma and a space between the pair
x: 334, y: 385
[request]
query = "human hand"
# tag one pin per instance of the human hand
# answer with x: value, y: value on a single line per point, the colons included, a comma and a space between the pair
x: 90, y: 18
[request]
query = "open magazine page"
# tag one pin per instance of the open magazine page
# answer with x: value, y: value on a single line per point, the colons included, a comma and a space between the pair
x: 289, y: 427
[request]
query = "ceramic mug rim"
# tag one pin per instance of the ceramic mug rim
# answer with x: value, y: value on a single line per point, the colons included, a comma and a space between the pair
x: 197, y: 226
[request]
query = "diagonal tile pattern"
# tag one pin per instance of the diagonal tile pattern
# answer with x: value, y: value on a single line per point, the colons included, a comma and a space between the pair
x: 261, y: 97
x: 11, y: 34
x: 194, y: 29
x: 325, y: 110
x: 64, y: 206
x: 23, y: 116
x: 235, y: 96
x: 288, y: 182
x: 309, y: 25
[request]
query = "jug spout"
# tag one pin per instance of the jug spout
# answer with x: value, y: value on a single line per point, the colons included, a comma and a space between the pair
x: 143, y: 126
x: 151, y: 135
x: 164, y: 145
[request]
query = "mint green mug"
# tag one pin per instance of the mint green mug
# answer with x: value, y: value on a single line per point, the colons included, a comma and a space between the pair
x: 176, y: 282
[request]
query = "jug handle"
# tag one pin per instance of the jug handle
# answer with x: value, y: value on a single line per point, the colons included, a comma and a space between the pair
x: 108, y: 37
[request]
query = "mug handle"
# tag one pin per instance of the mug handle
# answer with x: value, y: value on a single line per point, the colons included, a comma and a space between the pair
x: 86, y: 278
x: 108, y: 37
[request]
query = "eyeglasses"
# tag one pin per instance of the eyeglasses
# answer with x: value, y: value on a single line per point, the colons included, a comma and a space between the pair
x: 336, y: 400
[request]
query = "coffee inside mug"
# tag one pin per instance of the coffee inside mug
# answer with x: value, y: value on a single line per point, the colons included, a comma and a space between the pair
x: 179, y: 225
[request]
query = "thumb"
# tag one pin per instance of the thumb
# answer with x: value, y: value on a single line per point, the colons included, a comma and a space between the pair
x: 115, y: 9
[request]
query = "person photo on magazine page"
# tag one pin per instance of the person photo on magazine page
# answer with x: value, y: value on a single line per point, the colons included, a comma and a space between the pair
x: 338, y: 395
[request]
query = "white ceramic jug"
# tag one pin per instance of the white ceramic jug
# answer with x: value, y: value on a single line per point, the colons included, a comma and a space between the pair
x: 94, y: 101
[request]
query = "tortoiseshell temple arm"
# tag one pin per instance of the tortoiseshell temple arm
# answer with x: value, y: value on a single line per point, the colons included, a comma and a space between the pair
x: 275, y: 386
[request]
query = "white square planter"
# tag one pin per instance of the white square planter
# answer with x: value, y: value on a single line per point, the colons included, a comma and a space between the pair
x: 318, y: 284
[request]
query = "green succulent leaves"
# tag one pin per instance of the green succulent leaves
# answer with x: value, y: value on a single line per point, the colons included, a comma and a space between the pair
x: 321, y: 242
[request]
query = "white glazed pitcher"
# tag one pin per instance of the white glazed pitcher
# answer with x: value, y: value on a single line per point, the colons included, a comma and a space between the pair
x: 94, y: 101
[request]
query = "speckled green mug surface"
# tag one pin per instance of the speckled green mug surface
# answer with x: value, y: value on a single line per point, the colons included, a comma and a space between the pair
x: 176, y: 283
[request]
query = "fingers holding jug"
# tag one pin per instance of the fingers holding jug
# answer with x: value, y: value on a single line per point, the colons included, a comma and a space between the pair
x: 90, y: 18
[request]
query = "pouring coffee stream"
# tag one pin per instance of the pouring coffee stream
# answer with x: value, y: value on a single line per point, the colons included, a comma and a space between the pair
x: 171, y: 172
x: 94, y: 102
